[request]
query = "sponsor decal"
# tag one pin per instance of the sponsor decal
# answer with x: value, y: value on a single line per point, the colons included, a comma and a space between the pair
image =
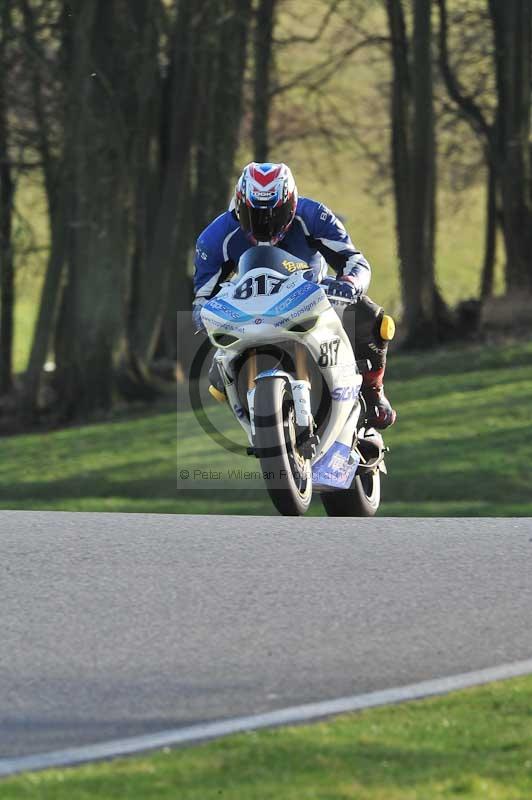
x: 343, y: 394
x: 262, y: 195
x: 299, y: 312
x: 292, y: 266
x: 333, y: 468
x: 229, y: 326
x: 295, y: 297
x: 337, y: 462
x: 289, y: 303
x: 226, y: 310
x: 239, y: 411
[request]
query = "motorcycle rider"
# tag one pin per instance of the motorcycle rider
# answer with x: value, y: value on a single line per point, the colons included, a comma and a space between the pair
x: 266, y: 210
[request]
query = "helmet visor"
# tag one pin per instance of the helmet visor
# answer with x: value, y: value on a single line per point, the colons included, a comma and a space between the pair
x: 264, y: 224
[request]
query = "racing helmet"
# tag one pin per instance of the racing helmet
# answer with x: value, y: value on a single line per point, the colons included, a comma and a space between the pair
x: 265, y: 201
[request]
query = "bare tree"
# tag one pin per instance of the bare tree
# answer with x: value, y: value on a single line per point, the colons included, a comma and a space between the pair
x: 503, y: 133
x: 486, y: 132
x: 7, y: 275
x: 48, y: 80
x: 419, y: 274
x: 414, y: 171
x: 92, y: 324
x: 162, y: 248
x: 512, y: 29
x: 263, y: 52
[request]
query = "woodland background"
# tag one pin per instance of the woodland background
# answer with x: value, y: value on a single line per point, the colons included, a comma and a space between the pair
x: 124, y: 123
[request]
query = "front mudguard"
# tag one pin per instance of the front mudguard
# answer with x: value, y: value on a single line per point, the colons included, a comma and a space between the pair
x: 300, y: 393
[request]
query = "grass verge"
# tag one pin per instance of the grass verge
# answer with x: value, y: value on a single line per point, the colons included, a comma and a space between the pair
x: 462, y: 447
x: 475, y: 744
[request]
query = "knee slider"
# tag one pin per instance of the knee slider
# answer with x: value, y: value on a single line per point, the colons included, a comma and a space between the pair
x: 387, y: 328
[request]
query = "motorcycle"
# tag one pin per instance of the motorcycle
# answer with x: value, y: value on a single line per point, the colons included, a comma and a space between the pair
x: 292, y: 382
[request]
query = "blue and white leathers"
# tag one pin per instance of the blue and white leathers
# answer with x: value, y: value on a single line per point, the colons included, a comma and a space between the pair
x: 315, y: 236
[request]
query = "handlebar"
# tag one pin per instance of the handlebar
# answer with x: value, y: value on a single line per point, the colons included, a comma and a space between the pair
x: 345, y: 301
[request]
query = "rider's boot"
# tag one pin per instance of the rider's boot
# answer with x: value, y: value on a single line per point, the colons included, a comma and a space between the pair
x: 380, y: 413
x: 217, y: 386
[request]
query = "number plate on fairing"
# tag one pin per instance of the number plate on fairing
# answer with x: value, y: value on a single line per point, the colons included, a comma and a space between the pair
x: 333, y: 469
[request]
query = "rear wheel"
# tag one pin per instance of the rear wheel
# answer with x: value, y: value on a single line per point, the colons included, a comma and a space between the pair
x: 362, y: 499
x: 286, y: 472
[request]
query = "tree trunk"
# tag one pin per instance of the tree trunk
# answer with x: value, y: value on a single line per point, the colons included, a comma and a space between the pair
x: 263, y: 41
x: 414, y: 165
x: 401, y: 113
x: 58, y: 186
x: 206, y: 124
x: 233, y: 42
x: 220, y: 64
x: 512, y: 26
x: 7, y: 273
x: 487, y: 133
x: 145, y: 109
x: 48, y: 311
x: 490, y: 244
x: 420, y: 289
x: 7, y: 270
x: 154, y: 279
x: 92, y: 321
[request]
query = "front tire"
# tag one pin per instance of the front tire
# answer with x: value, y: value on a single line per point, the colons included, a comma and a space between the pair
x: 286, y: 472
x: 362, y: 499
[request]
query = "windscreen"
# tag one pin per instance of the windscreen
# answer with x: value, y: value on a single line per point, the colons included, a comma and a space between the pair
x: 268, y: 257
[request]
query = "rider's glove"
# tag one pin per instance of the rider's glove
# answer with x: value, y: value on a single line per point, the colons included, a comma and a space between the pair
x: 196, y: 314
x: 347, y: 286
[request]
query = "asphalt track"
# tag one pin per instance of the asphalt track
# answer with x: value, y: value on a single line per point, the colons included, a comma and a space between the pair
x: 114, y: 626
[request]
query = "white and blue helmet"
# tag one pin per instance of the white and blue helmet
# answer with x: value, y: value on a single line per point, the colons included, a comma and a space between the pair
x: 265, y: 201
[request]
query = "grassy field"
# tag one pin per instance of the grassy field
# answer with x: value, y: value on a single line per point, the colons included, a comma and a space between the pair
x: 462, y: 446
x: 475, y: 745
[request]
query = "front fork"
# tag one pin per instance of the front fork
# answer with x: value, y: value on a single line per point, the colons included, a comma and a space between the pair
x: 300, y: 386
x: 301, y: 365
x: 301, y: 391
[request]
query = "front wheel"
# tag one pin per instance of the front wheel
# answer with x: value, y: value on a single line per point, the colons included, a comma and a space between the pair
x: 286, y: 472
x: 362, y: 499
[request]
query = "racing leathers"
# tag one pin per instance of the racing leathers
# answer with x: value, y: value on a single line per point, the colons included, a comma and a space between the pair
x: 317, y: 237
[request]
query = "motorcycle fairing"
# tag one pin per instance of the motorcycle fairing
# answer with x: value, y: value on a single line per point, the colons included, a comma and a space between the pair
x: 230, y: 313
x: 336, y: 467
x: 260, y: 322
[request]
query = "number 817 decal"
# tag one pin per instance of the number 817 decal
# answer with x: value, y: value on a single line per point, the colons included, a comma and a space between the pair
x: 329, y: 353
x: 261, y: 284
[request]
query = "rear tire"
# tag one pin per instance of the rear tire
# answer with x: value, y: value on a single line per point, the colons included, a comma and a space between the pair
x: 362, y: 499
x: 287, y: 473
